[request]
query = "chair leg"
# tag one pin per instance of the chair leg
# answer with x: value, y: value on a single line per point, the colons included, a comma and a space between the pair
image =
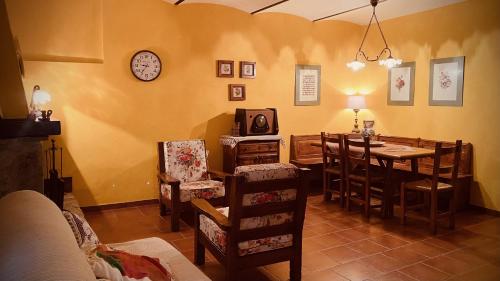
x: 341, y: 193
x: 402, y: 198
x: 174, y: 220
x: 453, y: 207
x: 231, y: 274
x: 367, y: 200
x: 327, y: 195
x: 199, y: 252
x: 295, y: 268
x: 163, y: 209
x: 348, y: 197
x: 433, y: 215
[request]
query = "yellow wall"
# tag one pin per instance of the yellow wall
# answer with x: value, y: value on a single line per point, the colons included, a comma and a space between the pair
x: 111, y: 121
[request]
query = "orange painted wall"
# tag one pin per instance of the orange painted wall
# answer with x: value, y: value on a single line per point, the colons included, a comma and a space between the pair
x: 111, y: 121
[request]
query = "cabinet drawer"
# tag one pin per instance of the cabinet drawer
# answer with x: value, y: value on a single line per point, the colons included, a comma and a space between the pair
x: 244, y: 148
x: 257, y: 159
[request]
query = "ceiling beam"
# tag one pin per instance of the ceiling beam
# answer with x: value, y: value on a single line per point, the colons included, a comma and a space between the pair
x: 178, y: 2
x: 269, y: 6
x: 346, y: 11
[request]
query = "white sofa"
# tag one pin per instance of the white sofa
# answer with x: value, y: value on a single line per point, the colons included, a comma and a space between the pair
x: 37, y: 244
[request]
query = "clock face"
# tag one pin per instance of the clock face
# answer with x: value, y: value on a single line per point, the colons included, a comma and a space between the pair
x: 145, y: 65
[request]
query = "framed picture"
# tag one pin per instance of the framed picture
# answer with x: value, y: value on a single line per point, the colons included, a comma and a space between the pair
x: 225, y: 68
x: 401, y: 85
x: 237, y: 92
x: 247, y: 69
x: 446, y: 81
x: 307, y: 84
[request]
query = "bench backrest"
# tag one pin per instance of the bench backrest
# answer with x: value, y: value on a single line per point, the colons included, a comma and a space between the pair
x: 301, y: 148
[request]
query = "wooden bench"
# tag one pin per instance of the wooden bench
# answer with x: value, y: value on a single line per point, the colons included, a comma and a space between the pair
x: 425, y: 164
x: 304, y: 155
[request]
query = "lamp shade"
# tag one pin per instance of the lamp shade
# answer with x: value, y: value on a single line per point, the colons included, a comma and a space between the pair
x: 356, y: 102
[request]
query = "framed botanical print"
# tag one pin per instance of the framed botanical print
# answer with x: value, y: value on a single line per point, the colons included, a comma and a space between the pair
x: 446, y: 81
x: 401, y: 85
x: 247, y: 69
x: 225, y: 68
x: 237, y: 92
x: 307, y: 84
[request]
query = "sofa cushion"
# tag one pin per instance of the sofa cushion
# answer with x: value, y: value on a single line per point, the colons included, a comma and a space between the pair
x: 206, y: 189
x: 181, y: 267
x: 36, y: 242
x: 84, y: 234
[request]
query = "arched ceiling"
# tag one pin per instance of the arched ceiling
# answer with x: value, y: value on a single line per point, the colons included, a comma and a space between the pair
x: 316, y: 9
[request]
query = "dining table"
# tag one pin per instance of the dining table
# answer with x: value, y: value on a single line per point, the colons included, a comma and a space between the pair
x: 386, y: 154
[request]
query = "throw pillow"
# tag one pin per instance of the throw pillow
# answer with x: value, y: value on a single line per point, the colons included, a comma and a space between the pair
x: 84, y: 234
x: 117, y: 265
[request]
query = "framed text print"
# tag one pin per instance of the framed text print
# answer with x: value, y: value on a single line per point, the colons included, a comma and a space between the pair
x: 446, y: 82
x: 307, y: 84
x: 401, y: 84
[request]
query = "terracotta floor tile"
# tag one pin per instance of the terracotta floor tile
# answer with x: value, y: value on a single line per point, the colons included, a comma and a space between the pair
x: 342, y: 254
x: 324, y: 275
x: 311, y: 245
x: 423, y: 272
x: 405, y: 255
x: 393, y: 276
x: 367, y: 247
x: 489, y: 227
x: 357, y: 271
x: 426, y: 249
x: 383, y: 263
x: 448, y: 265
x: 315, y: 261
x: 389, y: 241
x: 321, y: 228
x: 352, y: 234
x: 468, y: 256
x: 331, y: 240
x: 486, y: 272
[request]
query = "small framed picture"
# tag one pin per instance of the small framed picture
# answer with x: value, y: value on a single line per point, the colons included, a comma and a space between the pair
x: 307, y: 84
x: 401, y: 84
x: 237, y: 92
x: 225, y: 68
x: 446, y: 84
x: 247, y: 69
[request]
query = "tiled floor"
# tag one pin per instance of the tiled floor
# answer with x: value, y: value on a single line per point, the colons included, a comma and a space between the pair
x: 342, y: 246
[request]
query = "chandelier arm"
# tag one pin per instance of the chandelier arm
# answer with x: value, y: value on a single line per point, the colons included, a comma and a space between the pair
x: 367, y: 29
x: 379, y: 29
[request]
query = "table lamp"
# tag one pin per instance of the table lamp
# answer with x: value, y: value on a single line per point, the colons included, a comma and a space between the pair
x: 356, y: 102
x: 38, y: 98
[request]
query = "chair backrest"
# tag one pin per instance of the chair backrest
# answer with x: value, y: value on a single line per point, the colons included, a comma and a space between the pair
x: 357, y: 154
x: 266, y: 201
x: 183, y: 160
x: 332, y: 147
x: 438, y: 169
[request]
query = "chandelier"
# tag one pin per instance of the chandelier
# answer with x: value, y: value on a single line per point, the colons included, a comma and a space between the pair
x: 389, y: 62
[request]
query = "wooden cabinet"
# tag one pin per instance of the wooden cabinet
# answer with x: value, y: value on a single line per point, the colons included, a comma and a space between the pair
x: 250, y: 152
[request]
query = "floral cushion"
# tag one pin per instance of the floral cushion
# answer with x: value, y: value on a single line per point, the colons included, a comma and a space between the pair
x: 206, y: 189
x: 262, y: 172
x: 219, y: 236
x: 84, y: 234
x: 186, y: 160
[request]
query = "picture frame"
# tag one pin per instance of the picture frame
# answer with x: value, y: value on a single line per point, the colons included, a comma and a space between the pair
x: 237, y: 92
x: 307, y: 84
x: 247, y: 69
x: 446, y: 83
x: 225, y: 68
x: 401, y: 84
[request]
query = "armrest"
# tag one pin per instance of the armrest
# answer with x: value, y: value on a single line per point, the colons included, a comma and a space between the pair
x: 219, y: 174
x: 202, y: 206
x: 164, y: 178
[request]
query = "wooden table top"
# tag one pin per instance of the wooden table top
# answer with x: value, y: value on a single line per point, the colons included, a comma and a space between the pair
x: 391, y: 151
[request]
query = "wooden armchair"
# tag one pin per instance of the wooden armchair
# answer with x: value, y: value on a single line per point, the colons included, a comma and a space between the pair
x: 263, y: 223
x: 183, y: 175
x: 333, y: 166
x: 361, y: 176
x: 433, y: 187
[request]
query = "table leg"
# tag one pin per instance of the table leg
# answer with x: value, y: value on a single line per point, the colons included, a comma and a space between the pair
x: 388, y: 209
x: 414, y: 166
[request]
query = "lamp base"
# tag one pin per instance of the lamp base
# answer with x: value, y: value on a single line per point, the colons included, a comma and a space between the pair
x: 356, y: 129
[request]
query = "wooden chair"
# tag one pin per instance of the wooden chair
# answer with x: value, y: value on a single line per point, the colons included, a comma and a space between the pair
x: 432, y: 188
x: 262, y: 225
x: 333, y: 166
x: 183, y: 175
x: 360, y: 176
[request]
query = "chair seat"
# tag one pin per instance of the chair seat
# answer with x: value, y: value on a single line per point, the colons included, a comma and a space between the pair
x: 206, y: 189
x: 425, y: 185
x: 362, y: 178
x: 333, y: 170
x: 219, y: 237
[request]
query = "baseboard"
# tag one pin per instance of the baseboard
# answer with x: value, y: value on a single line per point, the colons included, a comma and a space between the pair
x: 485, y: 210
x: 119, y: 205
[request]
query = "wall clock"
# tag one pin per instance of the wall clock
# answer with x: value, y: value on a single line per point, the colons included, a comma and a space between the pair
x: 145, y: 65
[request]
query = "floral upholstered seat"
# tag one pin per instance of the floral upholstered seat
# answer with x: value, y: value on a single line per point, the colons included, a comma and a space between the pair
x: 184, y: 176
x: 253, y: 173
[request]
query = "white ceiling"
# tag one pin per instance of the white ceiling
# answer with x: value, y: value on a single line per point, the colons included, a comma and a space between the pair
x: 314, y: 9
